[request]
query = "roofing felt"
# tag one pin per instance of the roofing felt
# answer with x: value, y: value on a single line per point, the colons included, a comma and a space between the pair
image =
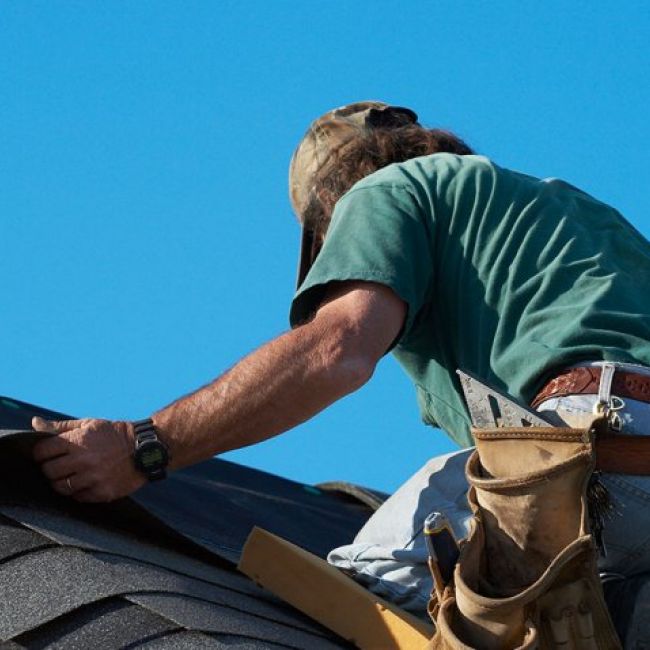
x: 153, y: 570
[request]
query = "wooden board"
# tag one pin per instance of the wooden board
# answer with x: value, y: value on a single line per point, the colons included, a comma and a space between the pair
x: 327, y: 595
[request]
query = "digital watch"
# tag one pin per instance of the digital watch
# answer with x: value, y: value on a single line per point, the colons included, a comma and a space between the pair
x: 150, y: 456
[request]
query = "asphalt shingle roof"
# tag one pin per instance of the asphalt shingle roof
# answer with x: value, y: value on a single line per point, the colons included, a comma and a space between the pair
x: 153, y: 571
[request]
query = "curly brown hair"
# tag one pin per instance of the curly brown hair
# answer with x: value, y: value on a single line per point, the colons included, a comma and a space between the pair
x: 373, y: 149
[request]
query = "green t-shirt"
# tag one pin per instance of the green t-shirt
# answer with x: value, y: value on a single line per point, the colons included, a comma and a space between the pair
x: 506, y: 276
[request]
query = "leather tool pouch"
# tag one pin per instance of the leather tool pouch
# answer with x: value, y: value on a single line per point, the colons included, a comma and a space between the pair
x: 527, y: 575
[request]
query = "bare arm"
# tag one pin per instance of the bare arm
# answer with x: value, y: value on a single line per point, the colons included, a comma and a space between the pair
x: 281, y: 384
x: 288, y: 380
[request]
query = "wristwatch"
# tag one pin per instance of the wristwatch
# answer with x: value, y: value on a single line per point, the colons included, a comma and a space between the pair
x: 150, y: 456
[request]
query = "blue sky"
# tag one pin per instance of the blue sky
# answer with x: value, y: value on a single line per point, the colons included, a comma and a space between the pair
x: 147, y: 238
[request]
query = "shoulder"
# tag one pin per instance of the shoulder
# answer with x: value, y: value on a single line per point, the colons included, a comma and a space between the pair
x: 424, y: 173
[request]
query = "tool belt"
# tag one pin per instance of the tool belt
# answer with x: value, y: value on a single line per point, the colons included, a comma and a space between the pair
x: 527, y: 576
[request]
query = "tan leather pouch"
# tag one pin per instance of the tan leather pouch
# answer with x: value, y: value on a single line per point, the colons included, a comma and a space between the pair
x: 527, y: 575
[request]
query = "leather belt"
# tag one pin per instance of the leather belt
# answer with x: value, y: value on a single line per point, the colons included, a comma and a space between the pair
x: 621, y: 454
x: 585, y: 381
x: 615, y: 453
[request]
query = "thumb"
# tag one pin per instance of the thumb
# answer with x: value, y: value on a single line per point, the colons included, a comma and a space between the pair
x: 54, y: 426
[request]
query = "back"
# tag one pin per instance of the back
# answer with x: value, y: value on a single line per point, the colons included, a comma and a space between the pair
x: 507, y: 276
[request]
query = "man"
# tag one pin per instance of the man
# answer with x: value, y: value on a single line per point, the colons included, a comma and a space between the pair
x: 449, y: 261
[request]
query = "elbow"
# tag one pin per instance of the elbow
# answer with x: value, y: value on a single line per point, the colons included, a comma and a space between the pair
x: 345, y: 361
x: 353, y: 372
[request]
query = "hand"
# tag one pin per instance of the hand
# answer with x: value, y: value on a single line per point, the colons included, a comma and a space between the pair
x: 89, y: 460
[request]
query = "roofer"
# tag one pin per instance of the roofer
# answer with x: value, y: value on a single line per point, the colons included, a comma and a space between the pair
x: 449, y: 261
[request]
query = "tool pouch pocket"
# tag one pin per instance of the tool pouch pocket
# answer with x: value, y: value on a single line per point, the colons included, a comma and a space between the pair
x: 526, y: 576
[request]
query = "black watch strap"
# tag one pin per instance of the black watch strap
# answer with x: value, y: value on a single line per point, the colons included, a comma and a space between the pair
x: 150, y: 454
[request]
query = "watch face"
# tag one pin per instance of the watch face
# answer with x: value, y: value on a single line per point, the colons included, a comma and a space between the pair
x: 151, y: 455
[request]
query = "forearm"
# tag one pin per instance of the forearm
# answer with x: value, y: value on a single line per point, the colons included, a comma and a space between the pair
x: 278, y: 386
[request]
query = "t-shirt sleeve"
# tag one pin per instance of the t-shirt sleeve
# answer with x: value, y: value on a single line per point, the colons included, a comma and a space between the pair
x: 378, y: 233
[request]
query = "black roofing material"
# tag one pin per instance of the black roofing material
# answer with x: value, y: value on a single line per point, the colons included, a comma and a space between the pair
x: 106, y: 570
x: 197, y: 641
x: 116, y: 576
x: 205, y: 617
x: 236, y: 498
x: 69, y: 531
x: 138, y: 578
x: 98, y: 576
x: 15, y: 540
x: 61, y: 573
x: 355, y: 493
x: 15, y: 414
x: 116, y: 619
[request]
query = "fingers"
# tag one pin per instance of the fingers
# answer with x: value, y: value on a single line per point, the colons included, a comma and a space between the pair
x: 50, y: 448
x: 89, y: 460
x: 71, y: 486
x: 90, y: 496
x: 87, y: 489
x: 56, y: 445
x: 58, y: 468
x: 55, y: 426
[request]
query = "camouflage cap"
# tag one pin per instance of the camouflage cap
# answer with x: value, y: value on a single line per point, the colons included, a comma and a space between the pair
x: 330, y: 134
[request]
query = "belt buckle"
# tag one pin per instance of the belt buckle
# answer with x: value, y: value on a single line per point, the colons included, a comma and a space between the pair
x: 610, y: 411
